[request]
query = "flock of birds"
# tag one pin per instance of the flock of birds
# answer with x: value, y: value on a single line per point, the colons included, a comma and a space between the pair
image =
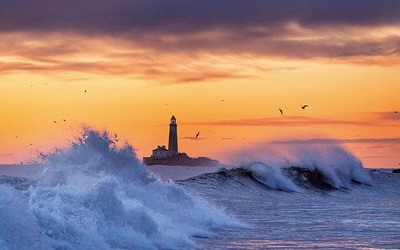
x: 64, y: 120
x: 198, y: 133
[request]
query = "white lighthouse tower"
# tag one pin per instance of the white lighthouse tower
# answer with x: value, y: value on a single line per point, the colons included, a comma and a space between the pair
x: 173, y: 137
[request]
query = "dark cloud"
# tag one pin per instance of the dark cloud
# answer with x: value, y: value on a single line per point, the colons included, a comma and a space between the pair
x: 289, y: 28
x: 187, y: 16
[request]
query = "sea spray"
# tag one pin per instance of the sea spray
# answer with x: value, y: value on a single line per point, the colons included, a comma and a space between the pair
x: 338, y: 166
x: 96, y: 195
x: 271, y: 177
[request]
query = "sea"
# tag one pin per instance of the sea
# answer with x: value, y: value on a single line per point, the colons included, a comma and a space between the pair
x: 96, y: 194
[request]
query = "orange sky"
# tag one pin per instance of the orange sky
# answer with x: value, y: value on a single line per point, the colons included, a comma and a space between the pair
x: 214, y: 81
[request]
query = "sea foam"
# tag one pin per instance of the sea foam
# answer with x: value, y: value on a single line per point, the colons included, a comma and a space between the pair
x: 96, y: 195
x: 339, y: 167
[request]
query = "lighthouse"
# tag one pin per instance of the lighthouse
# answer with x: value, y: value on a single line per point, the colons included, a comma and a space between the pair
x: 171, y: 156
x: 173, y: 137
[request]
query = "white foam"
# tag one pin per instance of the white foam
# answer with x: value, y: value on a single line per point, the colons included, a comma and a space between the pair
x: 338, y: 165
x: 97, y: 196
x: 272, y: 177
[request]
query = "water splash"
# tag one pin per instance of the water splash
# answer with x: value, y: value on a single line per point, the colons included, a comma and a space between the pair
x: 95, y: 195
x: 339, y: 167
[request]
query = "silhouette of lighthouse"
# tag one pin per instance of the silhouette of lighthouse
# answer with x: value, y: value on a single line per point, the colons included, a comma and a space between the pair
x: 173, y: 137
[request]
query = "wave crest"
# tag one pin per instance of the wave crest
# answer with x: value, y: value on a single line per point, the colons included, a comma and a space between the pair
x: 97, y: 195
x: 338, y: 166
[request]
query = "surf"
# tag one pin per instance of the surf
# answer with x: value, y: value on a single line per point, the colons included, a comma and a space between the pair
x: 295, y: 169
x: 97, y: 195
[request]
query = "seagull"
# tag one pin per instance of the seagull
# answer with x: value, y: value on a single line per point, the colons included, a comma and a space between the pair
x: 85, y: 90
x: 281, y: 111
x: 55, y: 121
x: 395, y: 112
x: 197, y: 135
x: 303, y: 106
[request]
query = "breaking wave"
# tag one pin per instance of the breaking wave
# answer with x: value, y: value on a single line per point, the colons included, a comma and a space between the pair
x: 298, y: 170
x: 96, y: 195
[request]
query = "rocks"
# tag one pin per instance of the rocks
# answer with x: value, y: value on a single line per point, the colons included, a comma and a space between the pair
x: 181, y: 159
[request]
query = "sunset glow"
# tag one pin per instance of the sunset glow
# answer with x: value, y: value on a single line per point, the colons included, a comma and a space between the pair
x: 223, y: 68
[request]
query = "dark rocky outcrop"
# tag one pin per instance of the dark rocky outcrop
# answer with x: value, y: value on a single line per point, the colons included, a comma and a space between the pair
x: 181, y: 159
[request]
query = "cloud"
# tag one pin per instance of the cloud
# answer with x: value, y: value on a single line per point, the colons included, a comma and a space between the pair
x: 192, y: 138
x: 290, y: 29
x: 286, y: 121
x: 227, y: 138
x: 392, y: 117
x: 376, y: 119
x: 114, y: 56
x: 190, y: 16
x: 6, y: 154
x: 394, y: 140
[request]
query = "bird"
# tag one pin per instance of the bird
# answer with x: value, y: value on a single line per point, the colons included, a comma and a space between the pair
x: 85, y: 90
x: 303, y: 106
x: 65, y: 120
x: 55, y: 121
x: 197, y: 135
x: 395, y: 112
x: 281, y: 111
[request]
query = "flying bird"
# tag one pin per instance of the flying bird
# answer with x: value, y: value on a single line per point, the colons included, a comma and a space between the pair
x: 55, y: 121
x: 85, y: 90
x: 303, y: 106
x: 280, y: 110
x: 197, y: 135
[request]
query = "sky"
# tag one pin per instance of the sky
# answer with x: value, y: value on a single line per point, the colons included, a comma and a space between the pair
x: 223, y: 68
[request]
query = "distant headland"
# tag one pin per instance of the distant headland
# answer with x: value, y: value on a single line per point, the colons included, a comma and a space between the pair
x: 171, y: 156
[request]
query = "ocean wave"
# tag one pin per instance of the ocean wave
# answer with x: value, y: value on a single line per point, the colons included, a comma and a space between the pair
x: 325, y: 169
x: 95, y: 195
